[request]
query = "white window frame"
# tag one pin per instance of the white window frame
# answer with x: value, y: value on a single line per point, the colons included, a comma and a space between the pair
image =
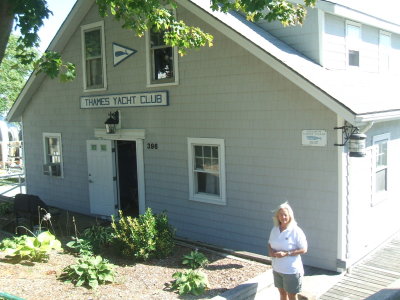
x: 46, y: 161
x: 202, y: 197
x: 149, y: 66
x: 378, y: 197
x: 384, y: 52
x: 86, y: 28
x: 351, y: 45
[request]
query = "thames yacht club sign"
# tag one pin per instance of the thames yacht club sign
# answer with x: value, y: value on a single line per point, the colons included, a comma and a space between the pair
x: 125, y: 100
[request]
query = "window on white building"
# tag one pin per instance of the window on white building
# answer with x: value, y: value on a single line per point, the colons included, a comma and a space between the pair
x: 162, y: 60
x: 94, y: 63
x: 385, y: 45
x: 206, y: 158
x: 353, y: 43
x: 52, y: 154
x: 380, y: 180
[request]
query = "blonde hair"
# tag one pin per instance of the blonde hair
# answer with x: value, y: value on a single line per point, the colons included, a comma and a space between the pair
x: 290, y: 211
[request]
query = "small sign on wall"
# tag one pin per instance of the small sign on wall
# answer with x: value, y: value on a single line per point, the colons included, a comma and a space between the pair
x: 314, y: 137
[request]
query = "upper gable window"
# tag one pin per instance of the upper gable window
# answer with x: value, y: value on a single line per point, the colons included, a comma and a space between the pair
x: 94, y: 63
x: 385, y: 45
x: 353, y: 43
x: 162, y: 60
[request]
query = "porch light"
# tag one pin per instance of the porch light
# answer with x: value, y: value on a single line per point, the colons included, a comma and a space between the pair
x: 356, y: 140
x: 111, y: 122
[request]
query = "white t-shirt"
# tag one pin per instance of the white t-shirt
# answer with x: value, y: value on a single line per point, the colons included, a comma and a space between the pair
x: 291, y: 239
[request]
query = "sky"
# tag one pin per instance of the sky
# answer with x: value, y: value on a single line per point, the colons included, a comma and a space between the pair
x: 61, y: 8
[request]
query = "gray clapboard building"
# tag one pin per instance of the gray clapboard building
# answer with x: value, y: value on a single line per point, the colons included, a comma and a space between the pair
x: 221, y: 136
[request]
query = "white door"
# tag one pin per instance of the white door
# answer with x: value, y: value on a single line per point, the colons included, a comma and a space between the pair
x: 102, y: 177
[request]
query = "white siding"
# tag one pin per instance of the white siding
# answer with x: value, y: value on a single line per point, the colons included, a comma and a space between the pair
x: 225, y: 93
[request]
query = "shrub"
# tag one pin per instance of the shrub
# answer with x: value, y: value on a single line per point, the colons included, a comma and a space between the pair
x: 195, y: 260
x: 80, y: 246
x: 144, y: 237
x: 89, y: 271
x: 99, y: 236
x: 36, y: 248
x: 192, y: 281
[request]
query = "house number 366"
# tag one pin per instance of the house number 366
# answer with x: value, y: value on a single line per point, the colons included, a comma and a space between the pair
x: 152, y: 146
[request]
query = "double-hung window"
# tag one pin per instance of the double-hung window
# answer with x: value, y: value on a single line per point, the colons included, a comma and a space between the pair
x: 52, y: 154
x: 206, y: 159
x: 93, y: 53
x: 380, y: 178
x: 353, y: 43
x: 385, y: 45
x: 162, y: 60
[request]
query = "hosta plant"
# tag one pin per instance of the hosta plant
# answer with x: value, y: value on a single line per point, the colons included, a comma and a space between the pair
x: 80, y: 246
x: 192, y: 281
x: 33, y: 248
x: 89, y: 271
x: 195, y: 260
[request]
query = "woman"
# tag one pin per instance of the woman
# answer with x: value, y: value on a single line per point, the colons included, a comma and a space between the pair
x: 286, y: 242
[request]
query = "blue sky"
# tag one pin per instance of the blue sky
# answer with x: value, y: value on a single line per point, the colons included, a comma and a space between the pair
x: 60, y: 9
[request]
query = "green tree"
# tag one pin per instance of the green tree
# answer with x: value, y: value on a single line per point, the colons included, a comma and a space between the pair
x: 138, y: 16
x: 13, y: 75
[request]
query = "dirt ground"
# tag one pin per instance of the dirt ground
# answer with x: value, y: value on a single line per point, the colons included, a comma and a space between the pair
x: 149, y: 280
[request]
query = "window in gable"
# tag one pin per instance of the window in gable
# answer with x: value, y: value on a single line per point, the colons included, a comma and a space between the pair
x: 385, y: 45
x: 353, y: 44
x: 162, y: 60
x: 94, y: 64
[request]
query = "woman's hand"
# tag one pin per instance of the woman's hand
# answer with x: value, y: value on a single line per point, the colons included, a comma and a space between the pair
x: 280, y: 254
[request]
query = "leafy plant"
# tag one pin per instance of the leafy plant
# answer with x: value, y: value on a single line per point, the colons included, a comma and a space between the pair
x: 33, y: 248
x: 6, y: 208
x: 89, y: 271
x: 80, y: 246
x: 99, y: 236
x: 192, y: 281
x: 144, y: 237
x: 195, y: 260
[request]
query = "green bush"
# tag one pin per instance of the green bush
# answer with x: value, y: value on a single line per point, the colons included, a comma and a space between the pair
x: 89, y: 271
x: 144, y: 237
x: 99, y: 236
x: 80, y: 246
x: 36, y: 248
x: 192, y: 281
x: 195, y: 260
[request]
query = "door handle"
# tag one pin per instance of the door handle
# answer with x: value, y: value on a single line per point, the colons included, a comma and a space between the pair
x: 90, y: 181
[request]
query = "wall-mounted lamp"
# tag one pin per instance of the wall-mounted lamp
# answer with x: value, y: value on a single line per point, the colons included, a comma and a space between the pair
x: 356, y: 140
x: 112, y: 122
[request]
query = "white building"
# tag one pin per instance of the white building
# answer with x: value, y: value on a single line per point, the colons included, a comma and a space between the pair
x: 219, y: 137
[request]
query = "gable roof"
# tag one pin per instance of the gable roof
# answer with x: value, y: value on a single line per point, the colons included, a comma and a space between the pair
x: 357, y: 97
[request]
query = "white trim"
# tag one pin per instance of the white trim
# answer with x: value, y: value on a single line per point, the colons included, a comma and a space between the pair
x: 376, y: 198
x: 321, y: 37
x: 353, y: 46
x: 58, y: 136
x: 382, y: 51
x: 221, y: 199
x: 137, y: 135
x: 84, y: 28
x: 149, y: 71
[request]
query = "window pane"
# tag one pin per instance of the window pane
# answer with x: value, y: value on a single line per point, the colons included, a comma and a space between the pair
x: 381, y: 159
x: 354, y: 58
x: 381, y: 180
x: 199, y: 164
x: 198, y: 151
x: 93, y: 43
x: 163, y: 63
x: 207, y: 183
x: 94, y: 73
x: 157, y: 39
x: 215, y: 152
x: 207, y: 151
